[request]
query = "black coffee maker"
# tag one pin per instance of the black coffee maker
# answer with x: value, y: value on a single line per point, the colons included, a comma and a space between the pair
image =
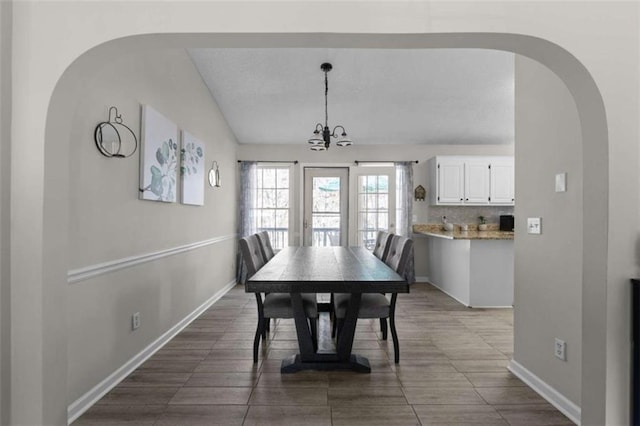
x: 507, y: 222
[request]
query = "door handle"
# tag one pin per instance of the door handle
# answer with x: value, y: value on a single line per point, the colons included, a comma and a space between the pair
x: 305, y: 224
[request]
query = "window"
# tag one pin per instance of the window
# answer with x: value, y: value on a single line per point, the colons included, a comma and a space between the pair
x: 272, y: 206
x: 373, y: 208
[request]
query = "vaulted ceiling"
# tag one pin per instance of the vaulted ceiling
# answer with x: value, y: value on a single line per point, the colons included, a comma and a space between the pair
x: 381, y: 96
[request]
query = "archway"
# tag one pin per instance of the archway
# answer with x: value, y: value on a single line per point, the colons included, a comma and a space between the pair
x: 577, y: 79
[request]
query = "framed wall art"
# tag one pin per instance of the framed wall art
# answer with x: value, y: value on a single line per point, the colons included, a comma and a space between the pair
x: 158, y: 157
x: 192, y: 170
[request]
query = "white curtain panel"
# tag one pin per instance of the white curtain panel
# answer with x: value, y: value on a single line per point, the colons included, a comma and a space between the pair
x: 404, y: 209
x: 247, y: 206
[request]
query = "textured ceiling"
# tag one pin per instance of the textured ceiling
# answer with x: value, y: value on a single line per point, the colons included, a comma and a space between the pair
x: 381, y: 96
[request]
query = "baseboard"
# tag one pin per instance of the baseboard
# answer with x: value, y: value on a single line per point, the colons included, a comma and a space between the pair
x: 82, y: 404
x: 555, y: 398
x: 449, y: 294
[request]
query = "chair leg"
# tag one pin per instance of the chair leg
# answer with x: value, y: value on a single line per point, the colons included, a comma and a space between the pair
x: 265, y: 327
x: 392, y: 323
x: 313, y: 323
x: 383, y: 328
x: 256, y: 340
x: 268, y: 325
x: 394, y: 335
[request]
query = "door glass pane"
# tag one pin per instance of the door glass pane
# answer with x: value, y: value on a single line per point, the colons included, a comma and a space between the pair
x: 325, y: 211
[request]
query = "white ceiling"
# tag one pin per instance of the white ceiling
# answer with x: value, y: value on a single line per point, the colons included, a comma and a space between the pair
x: 381, y: 96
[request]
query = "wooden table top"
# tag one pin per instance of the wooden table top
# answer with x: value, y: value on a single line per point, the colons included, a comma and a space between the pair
x: 326, y: 270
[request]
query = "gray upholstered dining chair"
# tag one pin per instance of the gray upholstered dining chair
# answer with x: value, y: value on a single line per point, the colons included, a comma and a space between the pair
x: 375, y: 305
x: 267, y: 254
x: 265, y: 244
x: 381, y: 248
x: 274, y: 305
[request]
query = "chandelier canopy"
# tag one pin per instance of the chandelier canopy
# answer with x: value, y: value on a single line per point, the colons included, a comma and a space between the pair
x: 321, y: 138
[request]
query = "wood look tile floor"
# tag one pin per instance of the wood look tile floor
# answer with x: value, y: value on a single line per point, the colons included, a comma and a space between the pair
x: 453, y: 370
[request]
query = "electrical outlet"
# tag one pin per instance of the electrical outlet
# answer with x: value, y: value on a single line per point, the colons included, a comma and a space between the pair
x: 135, y: 321
x: 560, y: 349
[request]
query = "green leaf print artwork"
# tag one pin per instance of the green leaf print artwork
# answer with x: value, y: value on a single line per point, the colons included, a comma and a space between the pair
x: 191, y: 156
x: 163, y: 179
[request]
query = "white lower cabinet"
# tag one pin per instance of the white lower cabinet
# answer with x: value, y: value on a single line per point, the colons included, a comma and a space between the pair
x: 477, y: 273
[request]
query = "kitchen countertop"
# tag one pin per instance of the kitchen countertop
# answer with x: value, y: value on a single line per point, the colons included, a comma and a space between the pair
x: 435, y: 230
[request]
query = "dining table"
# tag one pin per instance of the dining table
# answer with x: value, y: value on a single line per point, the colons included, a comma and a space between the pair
x: 350, y: 270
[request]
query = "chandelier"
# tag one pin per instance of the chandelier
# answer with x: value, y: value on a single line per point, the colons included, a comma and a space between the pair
x: 321, y: 138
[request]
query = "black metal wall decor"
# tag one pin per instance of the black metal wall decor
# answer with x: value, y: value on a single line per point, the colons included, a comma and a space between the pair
x: 214, y: 175
x: 420, y: 193
x: 112, y: 137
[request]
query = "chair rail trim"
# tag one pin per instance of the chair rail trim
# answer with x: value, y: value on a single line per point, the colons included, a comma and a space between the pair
x: 82, y: 274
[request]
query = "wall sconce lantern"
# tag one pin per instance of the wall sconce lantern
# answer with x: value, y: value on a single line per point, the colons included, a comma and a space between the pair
x: 214, y: 175
x: 420, y: 193
x: 113, y: 138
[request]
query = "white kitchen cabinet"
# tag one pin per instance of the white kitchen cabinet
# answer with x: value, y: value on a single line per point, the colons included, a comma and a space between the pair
x: 502, y: 182
x: 471, y: 180
x: 476, y: 182
x: 451, y: 182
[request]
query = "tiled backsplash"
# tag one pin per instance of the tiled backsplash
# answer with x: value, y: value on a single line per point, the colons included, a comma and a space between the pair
x: 467, y: 214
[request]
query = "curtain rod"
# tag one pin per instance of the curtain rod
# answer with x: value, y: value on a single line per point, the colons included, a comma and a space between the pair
x: 269, y: 161
x: 382, y: 161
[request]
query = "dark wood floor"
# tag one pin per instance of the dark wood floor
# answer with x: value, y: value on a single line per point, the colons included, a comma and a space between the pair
x: 452, y: 371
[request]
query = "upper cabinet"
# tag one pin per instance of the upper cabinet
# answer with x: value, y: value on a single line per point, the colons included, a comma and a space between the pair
x: 502, y: 182
x: 451, y: 182
x: 467, y: 180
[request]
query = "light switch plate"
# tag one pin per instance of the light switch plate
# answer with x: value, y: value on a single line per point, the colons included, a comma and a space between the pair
x: 534, y: 225
x: 561, y: 182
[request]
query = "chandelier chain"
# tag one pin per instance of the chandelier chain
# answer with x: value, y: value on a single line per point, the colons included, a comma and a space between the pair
x: 326, y: 95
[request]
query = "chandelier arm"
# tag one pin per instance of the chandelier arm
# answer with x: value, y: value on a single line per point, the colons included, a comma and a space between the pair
x: 334, y: 134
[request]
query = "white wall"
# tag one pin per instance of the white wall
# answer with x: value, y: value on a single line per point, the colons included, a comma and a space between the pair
x: 548, y: 267
x: 591, y: 46
x: 109, y: 222
x: 5, y: 187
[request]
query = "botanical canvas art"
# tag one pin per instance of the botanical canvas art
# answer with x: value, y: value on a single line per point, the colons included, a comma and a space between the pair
x: 159, y: 157
x: 192, y: 170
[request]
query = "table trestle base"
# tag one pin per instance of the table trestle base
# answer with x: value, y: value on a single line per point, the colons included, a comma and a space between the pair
x: 356, y: 363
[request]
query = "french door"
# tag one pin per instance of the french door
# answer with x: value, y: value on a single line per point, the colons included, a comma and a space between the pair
x: 326, y: 201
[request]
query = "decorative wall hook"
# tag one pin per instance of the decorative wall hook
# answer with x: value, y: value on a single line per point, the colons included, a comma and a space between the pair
x: 214, y: 175
x: 109, y: 140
